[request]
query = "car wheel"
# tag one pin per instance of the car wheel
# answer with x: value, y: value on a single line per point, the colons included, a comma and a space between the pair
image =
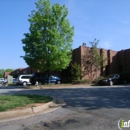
x: 111, y: 83
x: 58, y: 82
x: 38, y: 83
x: 24, y: 83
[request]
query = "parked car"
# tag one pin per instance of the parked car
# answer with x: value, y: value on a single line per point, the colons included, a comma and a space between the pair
x: 14, y: 80
x: 112, y: 79
x: 3, y: 80
x: 23, y: 79
x: 40, y: 78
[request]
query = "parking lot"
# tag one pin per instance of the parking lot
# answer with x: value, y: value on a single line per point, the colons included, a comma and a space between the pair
x: 87, y: 108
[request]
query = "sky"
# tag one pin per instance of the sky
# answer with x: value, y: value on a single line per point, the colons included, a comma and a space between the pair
x: 105, y: 20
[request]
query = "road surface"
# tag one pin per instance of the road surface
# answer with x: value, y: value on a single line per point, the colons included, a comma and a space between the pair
x: 87, y: 108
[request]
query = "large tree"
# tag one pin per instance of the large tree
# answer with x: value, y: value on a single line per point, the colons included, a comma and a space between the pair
x: 48, y: 44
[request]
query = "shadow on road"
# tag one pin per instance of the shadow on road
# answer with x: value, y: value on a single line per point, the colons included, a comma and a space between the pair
x: 87, y: 98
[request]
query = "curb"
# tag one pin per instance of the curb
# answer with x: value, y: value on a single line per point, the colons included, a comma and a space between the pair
x: 18, y: 114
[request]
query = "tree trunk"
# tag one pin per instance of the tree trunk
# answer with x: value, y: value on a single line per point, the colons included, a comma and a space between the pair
x: 48, y: 77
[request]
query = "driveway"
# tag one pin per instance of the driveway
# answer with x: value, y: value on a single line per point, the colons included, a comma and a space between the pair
x: 88, y: 108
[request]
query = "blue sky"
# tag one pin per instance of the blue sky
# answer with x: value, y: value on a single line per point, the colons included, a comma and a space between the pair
x: 107, y: 20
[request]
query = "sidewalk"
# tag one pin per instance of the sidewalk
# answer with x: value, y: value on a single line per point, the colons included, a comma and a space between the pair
x: 31, y: 111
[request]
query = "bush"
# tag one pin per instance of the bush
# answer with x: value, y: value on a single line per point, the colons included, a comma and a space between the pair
x: 76, y: 71
x: 83, y: 81
x: 97, y: 79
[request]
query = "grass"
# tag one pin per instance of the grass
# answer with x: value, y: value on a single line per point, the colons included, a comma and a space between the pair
x: 13, y: 101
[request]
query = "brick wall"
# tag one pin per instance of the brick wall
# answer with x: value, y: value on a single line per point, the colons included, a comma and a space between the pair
x: 116, y: 61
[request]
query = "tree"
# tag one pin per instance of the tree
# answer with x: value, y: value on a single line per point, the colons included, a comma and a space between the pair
x: 76, y: 71
x: 48, y: 44
x: 93, y: 59
x: 9, y: 70
x: 1, y: 73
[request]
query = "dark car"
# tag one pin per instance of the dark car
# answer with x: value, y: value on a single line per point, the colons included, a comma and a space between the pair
x: 41, y: 78
x: 112, y: 80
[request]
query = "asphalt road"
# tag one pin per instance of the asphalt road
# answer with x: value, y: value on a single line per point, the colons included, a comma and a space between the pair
x: 90, y: 108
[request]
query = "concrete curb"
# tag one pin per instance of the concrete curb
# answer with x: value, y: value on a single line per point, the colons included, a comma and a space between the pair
x: 18, y: 114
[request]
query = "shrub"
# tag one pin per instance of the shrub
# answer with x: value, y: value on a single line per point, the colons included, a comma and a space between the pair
x: 83, y: 81
x: 97, y: 79
x: 76, y: 71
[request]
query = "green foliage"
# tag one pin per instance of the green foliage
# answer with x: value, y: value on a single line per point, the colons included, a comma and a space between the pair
x: 9, y: 70
x: 76, y: 71
x: 1, y: 73
x: 48, y: 45
x: 13, y: 101
x: 6, y: 70
x: 97, y: 79
x: 82, y: 81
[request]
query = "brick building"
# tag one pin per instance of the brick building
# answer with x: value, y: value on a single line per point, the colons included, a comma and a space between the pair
x: 20, y: 71
x: 117, y: 61
x: 6, y: 74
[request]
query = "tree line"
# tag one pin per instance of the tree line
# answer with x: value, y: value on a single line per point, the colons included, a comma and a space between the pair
x: 4, y: 70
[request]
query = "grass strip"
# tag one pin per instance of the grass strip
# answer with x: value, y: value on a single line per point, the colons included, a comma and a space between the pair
x: 12, y: 101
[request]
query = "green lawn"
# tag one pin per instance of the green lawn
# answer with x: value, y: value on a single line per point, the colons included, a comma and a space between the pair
x: 12, y: 101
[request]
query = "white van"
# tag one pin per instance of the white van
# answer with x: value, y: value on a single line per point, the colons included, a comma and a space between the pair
x: 23, y: 79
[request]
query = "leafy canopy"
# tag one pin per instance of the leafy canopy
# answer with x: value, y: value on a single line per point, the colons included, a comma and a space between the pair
x: 9, y: 70
x: 6, y: 70
x: 48, y: 44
